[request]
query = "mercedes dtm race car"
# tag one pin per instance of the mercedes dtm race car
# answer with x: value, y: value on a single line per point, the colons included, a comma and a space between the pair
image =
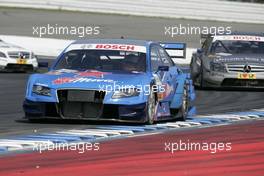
x: 233, y: 60
x: 15, y: 58
x: 117, y: 79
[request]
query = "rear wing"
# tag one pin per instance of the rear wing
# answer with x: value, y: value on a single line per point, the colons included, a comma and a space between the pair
x: 175, y: 50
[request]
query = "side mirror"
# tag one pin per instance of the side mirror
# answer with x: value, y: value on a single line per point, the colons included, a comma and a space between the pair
x: 43, y: 64
x: 163, y: 68
x: 199, y: 50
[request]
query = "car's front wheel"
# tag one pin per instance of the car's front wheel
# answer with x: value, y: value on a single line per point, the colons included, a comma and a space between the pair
x: 151, y: 108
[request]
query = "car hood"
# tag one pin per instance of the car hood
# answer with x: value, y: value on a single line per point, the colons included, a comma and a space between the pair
x: 240, y: 58
x: 61, y: 79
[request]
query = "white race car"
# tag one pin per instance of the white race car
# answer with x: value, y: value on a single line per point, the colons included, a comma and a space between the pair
x: 15, y: 58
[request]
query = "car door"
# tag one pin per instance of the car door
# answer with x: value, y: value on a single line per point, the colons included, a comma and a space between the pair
x: 164, y: 79
x: 159, y: 76
x: 169, y: 78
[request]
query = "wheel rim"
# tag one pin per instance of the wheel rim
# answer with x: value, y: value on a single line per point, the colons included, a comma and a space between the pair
x: 151, y: 108
x: 184, y: 103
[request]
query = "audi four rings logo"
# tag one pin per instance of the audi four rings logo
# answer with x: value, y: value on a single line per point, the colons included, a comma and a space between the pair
x: 247, y: 68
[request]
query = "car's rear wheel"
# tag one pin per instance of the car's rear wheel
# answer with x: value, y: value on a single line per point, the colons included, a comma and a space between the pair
x: 151, y: 108
x: 185, y: 104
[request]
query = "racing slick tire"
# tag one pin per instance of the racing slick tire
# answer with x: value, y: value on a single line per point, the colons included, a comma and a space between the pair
x: 199, y: 82
x: 198, y: 77
x: 185, y: 105
x: 151, y: 108
x: 201, y: 86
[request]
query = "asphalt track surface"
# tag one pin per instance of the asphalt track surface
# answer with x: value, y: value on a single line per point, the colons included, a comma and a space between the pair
x: 140, y: 155
x: 146, y: 155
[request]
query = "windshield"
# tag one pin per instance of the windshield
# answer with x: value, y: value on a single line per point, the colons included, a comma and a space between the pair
x: 103, y: 60
x: 237, y: 47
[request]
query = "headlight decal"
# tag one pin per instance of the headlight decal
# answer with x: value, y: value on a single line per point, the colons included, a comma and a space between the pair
x: 41, y: 90
x: 126, y: 93
x: 219, y: 67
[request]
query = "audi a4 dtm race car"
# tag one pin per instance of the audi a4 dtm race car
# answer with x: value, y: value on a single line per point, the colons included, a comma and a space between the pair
x: 230, y: 60
x: 15, y: 58
x: 112, y: 79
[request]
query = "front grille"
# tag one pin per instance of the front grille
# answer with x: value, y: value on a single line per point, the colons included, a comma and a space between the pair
x: 240, y: 67
x: 110, y: 112
x: 51, y: 110
x: 228, y: 82
x: 18, y: 54
x: 79, y: 104
x: 28, y: 67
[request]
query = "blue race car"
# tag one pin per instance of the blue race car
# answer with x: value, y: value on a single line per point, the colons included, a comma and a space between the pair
x: 112, y: 79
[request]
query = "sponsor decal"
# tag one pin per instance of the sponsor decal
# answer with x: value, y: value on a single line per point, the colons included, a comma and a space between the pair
x: 66, y: 80
x: 80, y: 77
x: 61, y: 71
x: 239, y: 59
x: 165, y: 92
x: 118, y: 47
x: 239, y: 37
x: 88, y: 73
x: 163, y: 109
x: 247, y: 76
x: 93, y: 73
x: 63, y: 80
x: 21, y: 61
x: 54, y: 73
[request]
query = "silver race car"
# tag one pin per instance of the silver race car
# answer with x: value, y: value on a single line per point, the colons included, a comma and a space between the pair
x: 16, y: 58
x: 231, y: 60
